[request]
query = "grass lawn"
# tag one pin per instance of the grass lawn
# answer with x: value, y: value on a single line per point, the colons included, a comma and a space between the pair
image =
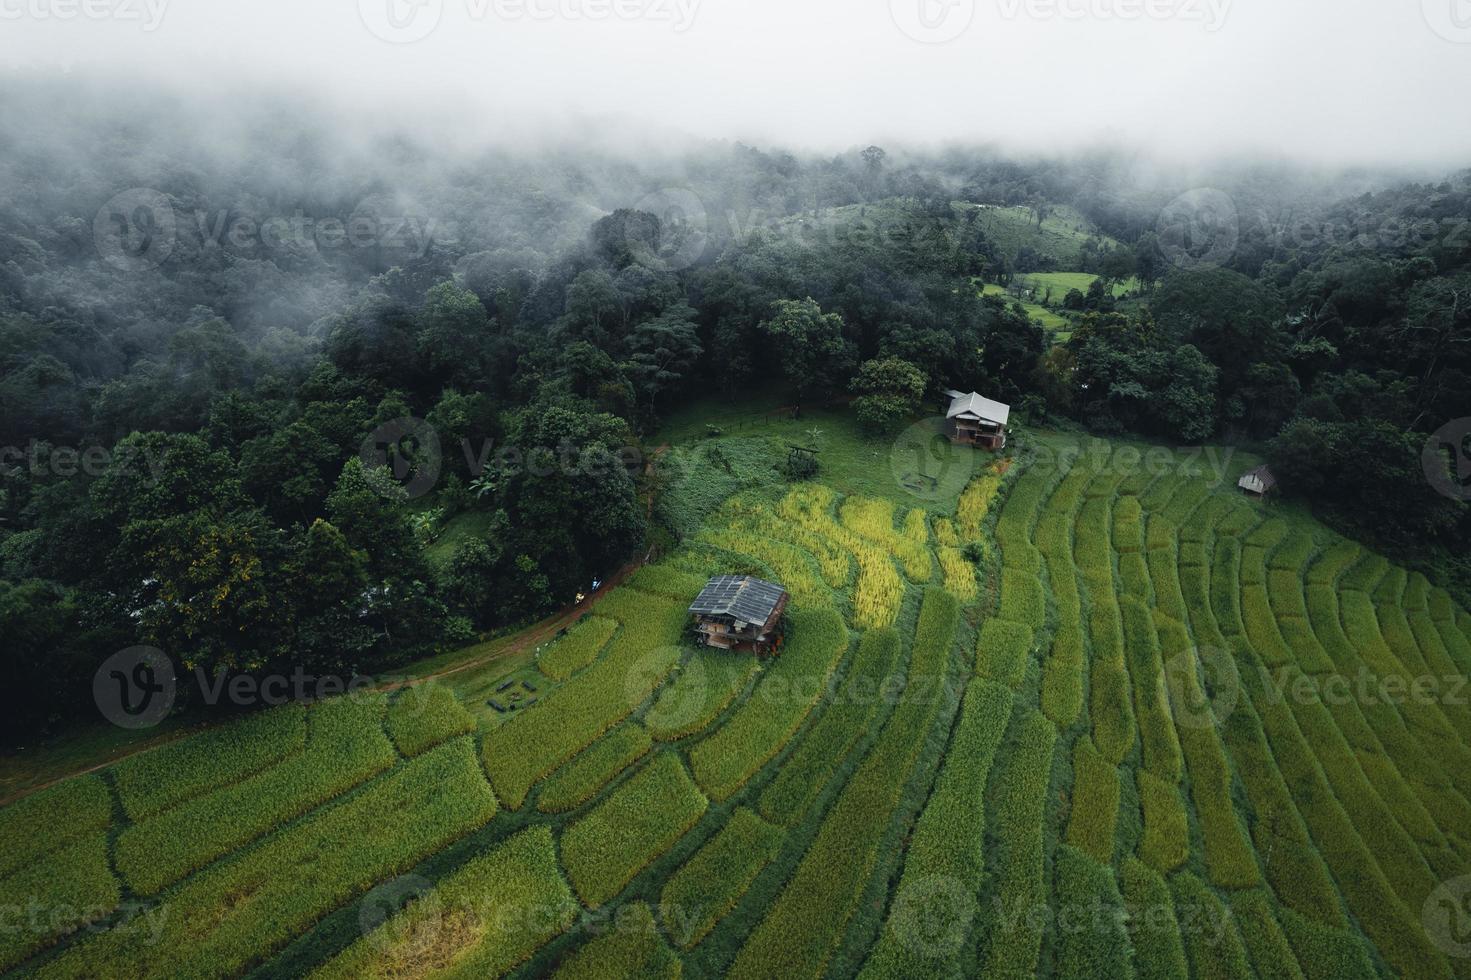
x: 851, y: 460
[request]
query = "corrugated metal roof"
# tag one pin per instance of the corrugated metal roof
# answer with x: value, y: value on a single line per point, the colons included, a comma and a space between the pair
x: 982, y: 408
x: 1262, y: 474
x: 749, y: 599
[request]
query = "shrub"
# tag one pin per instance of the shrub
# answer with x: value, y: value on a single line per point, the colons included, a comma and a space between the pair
x: 708, y: 682
x: 1265, y: 943
x: 807, y: 770
x: 153, y: 781
x: 1101, y: 949
x: 807, y: 920
x: 946, y: 845
x: 73, y: 886
x: 531, y: 744
x: 582, y: 778
x: 345, y: 747
x: 1016, y: 940
x: 1003, y: 651
x: 631, y: 948
x: 482, y: 920
x: 1153, y: 930
x: 1095, y: 802
x: 51, y: 818
x: 243, y: 910
x: 1166, y: 841
x: 425, y: 715
x: 710, y: 884
x: 763, y: 724
x: 638, y: 821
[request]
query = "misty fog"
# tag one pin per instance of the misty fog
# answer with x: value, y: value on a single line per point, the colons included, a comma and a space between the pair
x: 1332, y: 82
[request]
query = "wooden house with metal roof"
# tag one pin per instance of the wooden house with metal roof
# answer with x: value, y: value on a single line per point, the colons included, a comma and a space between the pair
x: 740, y: 612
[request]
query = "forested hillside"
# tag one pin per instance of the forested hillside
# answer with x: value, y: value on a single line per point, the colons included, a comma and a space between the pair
x: 200, y: 328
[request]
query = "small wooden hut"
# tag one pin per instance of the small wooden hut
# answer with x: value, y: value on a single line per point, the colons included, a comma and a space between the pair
x: 1258, y: 482
x: 973, y: 420
x: 740, y: 612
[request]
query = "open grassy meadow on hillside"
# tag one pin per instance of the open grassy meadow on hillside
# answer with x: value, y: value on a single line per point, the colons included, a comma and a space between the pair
x: 1070, y: 714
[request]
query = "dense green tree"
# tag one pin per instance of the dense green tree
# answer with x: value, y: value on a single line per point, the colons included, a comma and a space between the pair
x: 889, y: 390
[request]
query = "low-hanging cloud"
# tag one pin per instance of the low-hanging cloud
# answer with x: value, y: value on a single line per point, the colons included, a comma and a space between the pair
x: 1327, y: 81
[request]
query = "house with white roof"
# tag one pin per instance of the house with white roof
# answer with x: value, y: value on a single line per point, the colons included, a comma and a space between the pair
x: 973, y: 420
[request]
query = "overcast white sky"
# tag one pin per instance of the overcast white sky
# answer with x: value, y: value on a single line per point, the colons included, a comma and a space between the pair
x: 1341, y: 81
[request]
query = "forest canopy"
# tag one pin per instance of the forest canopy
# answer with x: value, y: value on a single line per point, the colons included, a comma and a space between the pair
x: 198, y: 341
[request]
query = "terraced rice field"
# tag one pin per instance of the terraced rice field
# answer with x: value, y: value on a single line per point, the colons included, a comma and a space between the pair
x: 951, y: 770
